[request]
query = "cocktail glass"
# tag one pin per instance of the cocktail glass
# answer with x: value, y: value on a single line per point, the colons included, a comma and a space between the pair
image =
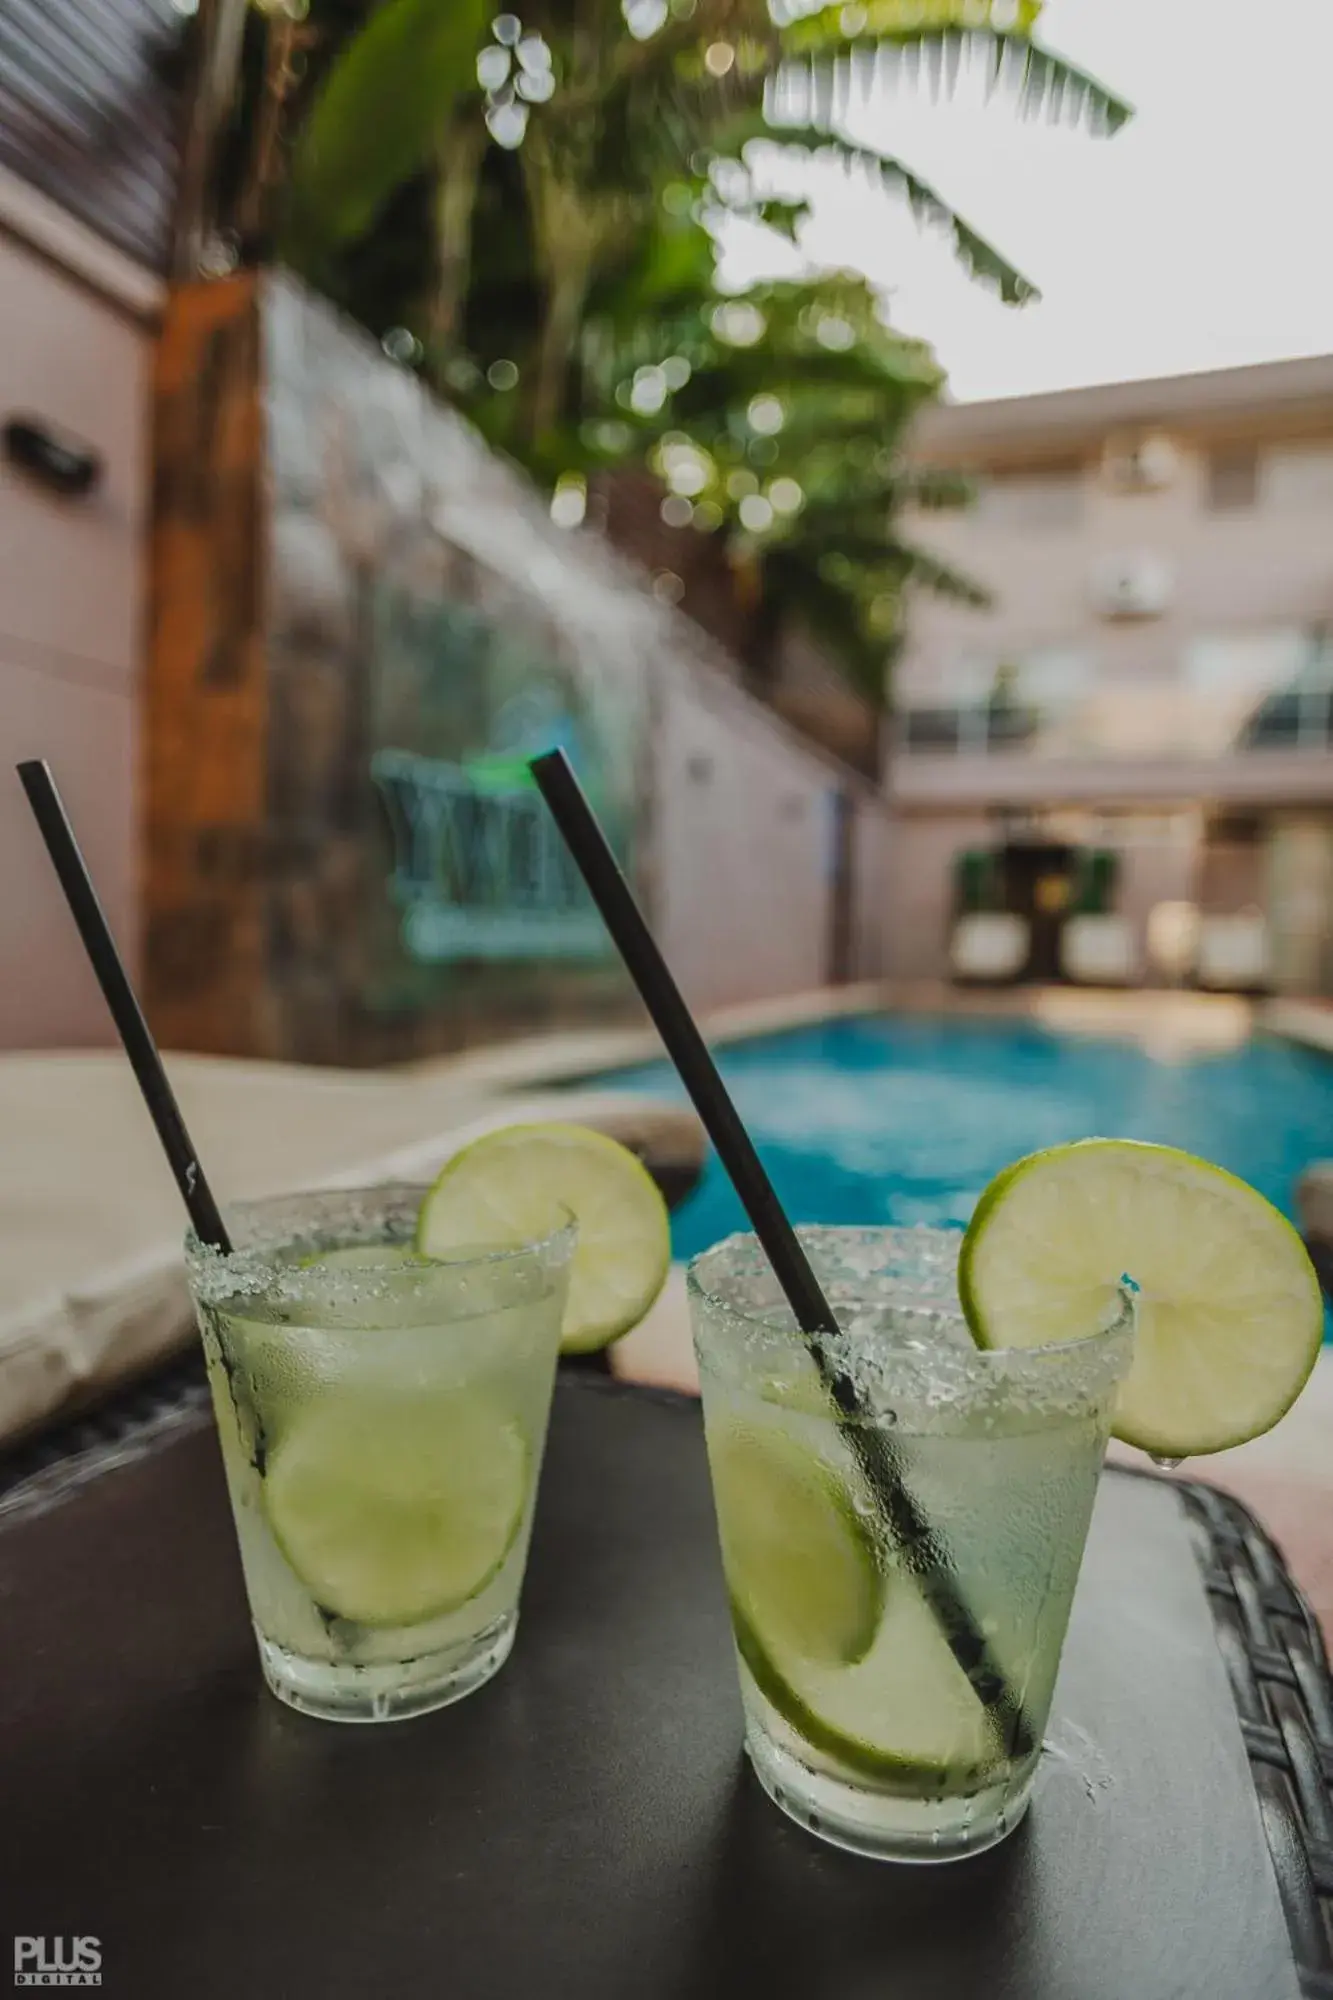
x: 382, y: 1419
x: 860, y: 1721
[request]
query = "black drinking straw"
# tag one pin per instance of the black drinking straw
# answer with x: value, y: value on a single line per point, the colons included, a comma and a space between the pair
x: 932, y: 1568
x: 49, y: 812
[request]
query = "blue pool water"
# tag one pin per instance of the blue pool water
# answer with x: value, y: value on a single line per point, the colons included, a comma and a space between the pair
x: 900, y: 1119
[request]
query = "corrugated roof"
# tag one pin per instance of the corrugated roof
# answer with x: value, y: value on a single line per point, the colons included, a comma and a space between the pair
x: 89, y: 112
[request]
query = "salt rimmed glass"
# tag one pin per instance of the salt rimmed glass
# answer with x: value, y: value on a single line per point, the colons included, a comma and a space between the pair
x: 382, y: 1421
x: 885, y: 1748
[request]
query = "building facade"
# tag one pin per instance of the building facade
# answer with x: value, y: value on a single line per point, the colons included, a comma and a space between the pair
x: 89, y: 116
x: 1141, y: 726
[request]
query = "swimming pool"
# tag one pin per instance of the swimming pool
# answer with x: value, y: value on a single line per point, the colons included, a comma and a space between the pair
x: 905, y: 1119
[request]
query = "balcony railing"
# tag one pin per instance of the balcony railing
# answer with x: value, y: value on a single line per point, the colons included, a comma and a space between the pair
x: 1128, y: 724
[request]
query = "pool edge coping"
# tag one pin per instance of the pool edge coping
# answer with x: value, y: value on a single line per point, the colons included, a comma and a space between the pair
x: 572, y: 1055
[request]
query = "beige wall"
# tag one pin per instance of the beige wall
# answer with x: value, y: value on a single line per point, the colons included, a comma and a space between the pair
x: 71, y: 584
x: 741, y: 847
x: 1298, y: 869
x: 877, y: 846
x: 1261, y: 567
x: 1231, y: 877
x: 1271, y: 777
x: 918, y: 904
x: 1153, y: 870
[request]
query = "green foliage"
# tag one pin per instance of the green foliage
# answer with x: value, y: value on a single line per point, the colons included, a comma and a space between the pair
x: 559, y: 274
x: 774, y: 421
x: 978, y: 257
x: 379, y: 115
x: 844, y: 50
x: 632, y: 109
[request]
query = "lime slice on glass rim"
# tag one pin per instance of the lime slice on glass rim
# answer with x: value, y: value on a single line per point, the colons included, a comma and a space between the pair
x: 1229, y: 1310
x: 394, y: 1509
x: 851, y: 1659
x: 516, y: 1186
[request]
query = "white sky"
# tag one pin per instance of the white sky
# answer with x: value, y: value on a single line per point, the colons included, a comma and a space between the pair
x: 1200, y: 236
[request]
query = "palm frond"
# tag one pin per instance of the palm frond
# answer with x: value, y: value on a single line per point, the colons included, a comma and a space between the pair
x: 832, y: 615
x: 651, y: 105
x: 918, y: 566
x: 830, y: 69
x: 978, y: 257
x: 379, y: 114
x: 784, y: 217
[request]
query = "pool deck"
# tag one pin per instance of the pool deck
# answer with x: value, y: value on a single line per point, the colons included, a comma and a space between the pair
x: 1306, y: 1021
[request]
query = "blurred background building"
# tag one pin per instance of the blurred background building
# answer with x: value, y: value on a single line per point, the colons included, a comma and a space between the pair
x: 1139, y: 730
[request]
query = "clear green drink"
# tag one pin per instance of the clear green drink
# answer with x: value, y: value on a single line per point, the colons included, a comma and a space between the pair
x: 860, y: 1722
x: 382, y: 1419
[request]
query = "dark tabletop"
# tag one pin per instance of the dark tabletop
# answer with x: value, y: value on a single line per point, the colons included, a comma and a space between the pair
x: 586, y: 1826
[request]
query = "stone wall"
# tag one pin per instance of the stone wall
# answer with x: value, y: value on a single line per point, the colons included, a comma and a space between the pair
x: 364, y: 623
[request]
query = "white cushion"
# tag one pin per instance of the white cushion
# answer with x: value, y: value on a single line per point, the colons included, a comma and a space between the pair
x: 989, y: 945
x: 1099, y: 950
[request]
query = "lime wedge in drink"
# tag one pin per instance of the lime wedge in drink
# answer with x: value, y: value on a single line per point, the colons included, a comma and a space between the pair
x: 905, y: 1714
x: 395, y: 1509
x: 855, y: 1663
x: 800, y: 1562
x: 1229, y: 1311
x: 518, y: 1184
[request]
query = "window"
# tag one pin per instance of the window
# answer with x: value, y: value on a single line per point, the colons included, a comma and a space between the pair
x: 972, y: 704
x: 1298, y: 716
x: 1276, y: 723
x: 1300, y: 479
x: 1009, y: 724
x: 1233, y: 479
x: 931, y: 729
x: 1260, y: 690
x: 1049, y: 497
x: 1244, y: 664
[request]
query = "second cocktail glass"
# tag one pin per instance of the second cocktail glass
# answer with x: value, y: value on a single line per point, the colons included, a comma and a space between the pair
x: 860, y: 1721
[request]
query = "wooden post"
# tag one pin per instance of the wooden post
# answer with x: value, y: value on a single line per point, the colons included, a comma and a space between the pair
x: 205, y: 755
